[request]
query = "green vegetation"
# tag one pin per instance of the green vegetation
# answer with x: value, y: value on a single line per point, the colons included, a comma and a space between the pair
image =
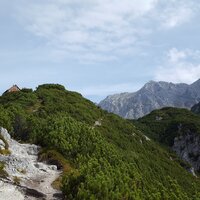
x: 52, y: 157
x: 5, y: 151
x: 16, y: 180
x: 22, y: 171
x: 111, y: 161
x: 165, y: 124
x: 3, y: 173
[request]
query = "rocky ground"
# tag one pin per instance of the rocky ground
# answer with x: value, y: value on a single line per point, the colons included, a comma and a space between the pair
x: 10, y: 192
x: 187, y: 147
x: 32, y: 179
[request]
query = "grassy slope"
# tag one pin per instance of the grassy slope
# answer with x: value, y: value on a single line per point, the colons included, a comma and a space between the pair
x: 122, y: 159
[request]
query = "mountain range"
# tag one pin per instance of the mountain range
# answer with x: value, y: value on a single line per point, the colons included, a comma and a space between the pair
x: 56, y: 144
x: 153, y: 95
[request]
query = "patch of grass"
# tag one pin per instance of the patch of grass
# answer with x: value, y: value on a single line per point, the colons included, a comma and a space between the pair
x: 16, y: 180
x: 57, y: 184
x: 22, y: 171
x: 5, y: 152
x: 3, y: 173
x: 52, y: 157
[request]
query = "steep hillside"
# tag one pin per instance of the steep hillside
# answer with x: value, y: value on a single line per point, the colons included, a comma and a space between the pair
x: 154, y: 95
x: 196, y: 108
x: 102, y: 155
x: 176, y: 128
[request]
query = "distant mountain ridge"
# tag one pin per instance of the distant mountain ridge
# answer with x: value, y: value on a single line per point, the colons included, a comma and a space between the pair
x: 153, y: 95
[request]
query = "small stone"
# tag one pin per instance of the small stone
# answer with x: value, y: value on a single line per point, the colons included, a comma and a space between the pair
x: 53, y: 167
x: 37, y: 165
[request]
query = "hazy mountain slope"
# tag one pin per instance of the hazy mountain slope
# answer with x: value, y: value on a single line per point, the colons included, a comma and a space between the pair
x: 196, y: 108
x: 154, y: 95
x: 176, y: 128
x: 103, y: 156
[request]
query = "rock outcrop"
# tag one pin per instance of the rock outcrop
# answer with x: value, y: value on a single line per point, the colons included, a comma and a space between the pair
x: 154, y: 95
x: 27, y: 178
x: 187, y: 147
x: 2, y: 145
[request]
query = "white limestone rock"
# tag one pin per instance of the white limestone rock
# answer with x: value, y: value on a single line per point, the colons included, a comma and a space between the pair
x: 5, y: 134
x: 187, y: 147
x: 23, y: 163
x: 2, y: 145
x: 10, y: 192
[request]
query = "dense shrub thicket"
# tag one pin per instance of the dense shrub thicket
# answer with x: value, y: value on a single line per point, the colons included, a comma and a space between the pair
x: 165, y: 124
x: 110, y: 159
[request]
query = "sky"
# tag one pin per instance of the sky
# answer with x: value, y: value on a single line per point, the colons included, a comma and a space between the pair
x: 98, y: 47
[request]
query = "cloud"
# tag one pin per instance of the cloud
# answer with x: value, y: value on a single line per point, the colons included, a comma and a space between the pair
x: 175, y: 55
x: 181, y: 66
x: 100, y: 28
x: 86, y: 27
x: 176, y: 16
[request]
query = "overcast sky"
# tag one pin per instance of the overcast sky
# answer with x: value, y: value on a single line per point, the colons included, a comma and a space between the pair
x: 98, y: 47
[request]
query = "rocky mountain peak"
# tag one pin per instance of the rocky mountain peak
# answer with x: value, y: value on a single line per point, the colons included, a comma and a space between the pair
x: 149, y: 85
x: 196, y: 85
x: 153, y: 95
